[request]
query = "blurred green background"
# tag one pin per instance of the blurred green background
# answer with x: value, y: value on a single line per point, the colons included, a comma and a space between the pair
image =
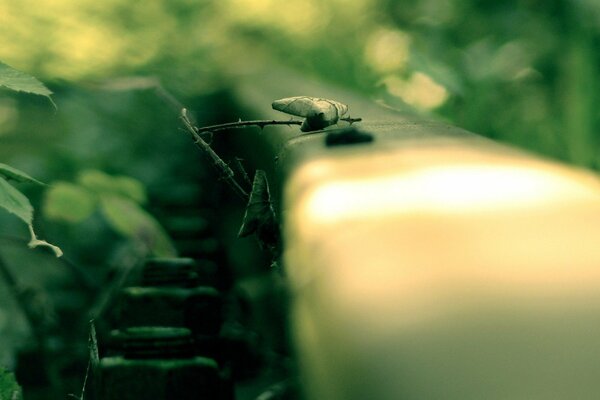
x: 524, y: 72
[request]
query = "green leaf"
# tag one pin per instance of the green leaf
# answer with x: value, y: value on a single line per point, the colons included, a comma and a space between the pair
x: 130, y: 220
x: 68, y: 202
x: 9, y: 388
x: 105, y: 184
x: 16, y: 175
x: 131, y: 188
x: 96, y: 181
x: 16, y: 203
x: 22, y: 82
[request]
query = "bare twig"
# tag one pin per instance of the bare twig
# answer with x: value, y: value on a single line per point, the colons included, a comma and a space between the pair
x: 129, y: 83
x: 242, y: 124
x: 106, y: 299
x: 351, y: 120
x: 240, y: 167
x: 260, y: 123
x: 93, y: 360
x: 226, y: 172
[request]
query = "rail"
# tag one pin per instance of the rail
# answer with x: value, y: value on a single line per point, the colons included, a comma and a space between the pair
x: 426, y: 262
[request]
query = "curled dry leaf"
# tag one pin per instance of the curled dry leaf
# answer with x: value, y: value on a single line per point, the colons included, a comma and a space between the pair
x: 259, y: 210
x: 259, y: 217
x: 319, y: 113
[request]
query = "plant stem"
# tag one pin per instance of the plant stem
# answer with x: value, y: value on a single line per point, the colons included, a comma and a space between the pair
x: 351, y: 120
x: 241, y: 124
x: 107, y: 298
x: 226, y: 171
x: 242, y: 170
x: 260, y: 123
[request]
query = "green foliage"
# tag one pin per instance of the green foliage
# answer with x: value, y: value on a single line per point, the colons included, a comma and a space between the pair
x: 22, y: 82
x: 534, y: 68
x: 15, y: 202
x: 130, y: 220
x: 117, y: 198
x: 16, y: 175
x: 69, y: 202
x: 11, y: 199
x: 99, y: 182
x: 9, y: 388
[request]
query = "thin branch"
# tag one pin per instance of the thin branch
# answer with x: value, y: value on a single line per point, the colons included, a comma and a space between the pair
x: 92, y: 360
x: 241, y: 124
x: 107, y: 298
x: 351, y: 120
x: 129, y: 83
x: 240, y: 167
x: 259, y: 123
x: 166, y: 96
x: 226, y: 172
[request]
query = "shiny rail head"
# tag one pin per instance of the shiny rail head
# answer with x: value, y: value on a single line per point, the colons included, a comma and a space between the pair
x: 443, y: 270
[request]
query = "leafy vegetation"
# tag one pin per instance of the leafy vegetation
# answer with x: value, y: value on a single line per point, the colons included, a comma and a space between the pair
x: 532, y: 64
x: 118, y: 199
x: 9, y: 389
x: 123, y: 184
x: 11, y: 199
x: 16, y: 203
x: 21, y: 82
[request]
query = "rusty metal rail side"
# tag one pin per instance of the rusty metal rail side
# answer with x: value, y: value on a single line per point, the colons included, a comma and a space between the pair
x: 430, y: 263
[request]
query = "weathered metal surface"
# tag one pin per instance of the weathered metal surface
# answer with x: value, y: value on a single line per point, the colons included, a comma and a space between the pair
x: 433, y: 264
